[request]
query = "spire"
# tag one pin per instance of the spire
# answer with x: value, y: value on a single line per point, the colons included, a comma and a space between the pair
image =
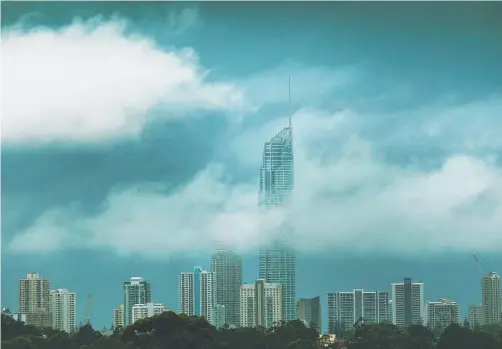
x: 290, y: 124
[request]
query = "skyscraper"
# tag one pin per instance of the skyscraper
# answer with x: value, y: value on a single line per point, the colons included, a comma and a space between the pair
x: 261, y: 304
x: 226, y: 267
x: 408, y: 303
x: 346, y: 308
x: 34, y: 300
x: 277, y: 260
x: 63, y: 310
x: 442, y: 313
x: 308, y: 310
x: 491, y: 299
x: 195, y: 293
x: 136, y: 291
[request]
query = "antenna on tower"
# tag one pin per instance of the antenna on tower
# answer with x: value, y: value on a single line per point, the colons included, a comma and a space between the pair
x: 88, y: 310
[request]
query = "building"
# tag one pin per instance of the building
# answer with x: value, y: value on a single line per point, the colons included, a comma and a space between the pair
x: 492, y: 304
x: 408, y: 303
x: 347, y: 308
x: 63, y: 310
x: 261, y: 304
x: 141, y: 311
x: 34, y: 300
x: 277, y: 263
x: 118, y: 317
x: 308, y: 310
x: 226, y: 267
x: 475, y: 316
x: 389, y: 315
x: 136, y: 291
x: 195, y: 293
x: 442, y: 313
x: 219, y: 316
x: 15, y: 316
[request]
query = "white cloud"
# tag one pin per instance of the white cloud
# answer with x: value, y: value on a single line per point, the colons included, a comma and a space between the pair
x: 348, y: 198
x: 91, y: 81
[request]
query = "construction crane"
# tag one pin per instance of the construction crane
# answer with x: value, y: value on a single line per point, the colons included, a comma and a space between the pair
x: 88, y: 310
x: 476, y: 259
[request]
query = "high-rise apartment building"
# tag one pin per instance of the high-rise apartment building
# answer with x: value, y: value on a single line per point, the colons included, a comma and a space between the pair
x: 118, y: 317
x: 346, y: 308
x: 308, y: 310
x: 63, y: 310
x: 492, y: 302
x: 226, y: 267
x: 277, y: 263
x: 475, y: 316
x: 136, y: 291
x: 261, y: 304
x: 195, y: 293
x: 408, y: 303
x: 442, y: 313
x: 141, y: 311
x: 34, y: 300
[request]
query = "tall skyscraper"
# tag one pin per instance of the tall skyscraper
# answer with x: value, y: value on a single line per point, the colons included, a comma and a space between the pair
x: 442, y: 313
x: 492, y: 302
x: 277, y: 260
x: 308, y: 310
x: 136, y: 291
x: 34, y: 300
x: 141, y: 311
x: 226, y: 267
x: 63, y: 310
x: 408, y: 303
x: 475, y: 316
x: 195, y: 293
x: 261, y: 304
x: 118, y: 317
x: 346, y: 308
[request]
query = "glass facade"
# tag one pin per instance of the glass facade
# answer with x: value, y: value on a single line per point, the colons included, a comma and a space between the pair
x: 277, y: 260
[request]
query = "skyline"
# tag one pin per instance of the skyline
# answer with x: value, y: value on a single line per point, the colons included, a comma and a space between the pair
x: 136, y: 164
x: 404, y: 305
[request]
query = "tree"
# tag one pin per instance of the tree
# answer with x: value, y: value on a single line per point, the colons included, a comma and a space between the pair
x: 420, y: 337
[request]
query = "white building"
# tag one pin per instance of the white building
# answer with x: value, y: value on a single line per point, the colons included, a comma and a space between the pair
x: 141, y: 311
x: 195, y: 293
x: 346, y: 308
x: 118, y: 317
x: 475, y: 316
x: 492, y: 302
x: 63, y: 310
x: 261, y: 304
x: 408, y: 303
x: 442, y: 313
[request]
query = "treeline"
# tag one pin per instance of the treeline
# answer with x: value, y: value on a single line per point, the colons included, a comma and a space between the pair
x: 172, y: 331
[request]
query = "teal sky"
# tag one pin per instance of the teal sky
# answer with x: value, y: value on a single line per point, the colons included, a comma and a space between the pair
x: 132, y: 134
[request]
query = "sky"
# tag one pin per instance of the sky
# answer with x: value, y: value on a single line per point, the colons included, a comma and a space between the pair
x: 132, y: 136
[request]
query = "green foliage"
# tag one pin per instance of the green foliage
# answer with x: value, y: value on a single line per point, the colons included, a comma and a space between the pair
x: 172, y: 331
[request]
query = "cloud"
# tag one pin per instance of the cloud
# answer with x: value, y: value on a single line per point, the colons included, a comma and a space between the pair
x: 92, y: 81
x: 347, y: 196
